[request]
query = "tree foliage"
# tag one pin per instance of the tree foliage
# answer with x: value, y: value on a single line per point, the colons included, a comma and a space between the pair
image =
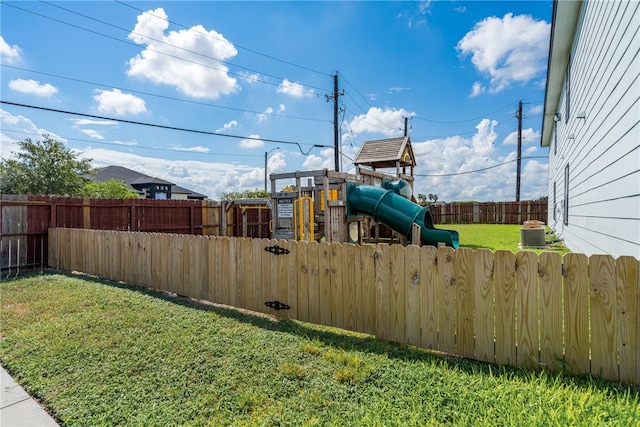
x: 44, y: 167
x: 111, y: 189
x: 246, y: 194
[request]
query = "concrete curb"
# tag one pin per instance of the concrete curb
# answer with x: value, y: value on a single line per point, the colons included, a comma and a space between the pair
x: 18, y: 408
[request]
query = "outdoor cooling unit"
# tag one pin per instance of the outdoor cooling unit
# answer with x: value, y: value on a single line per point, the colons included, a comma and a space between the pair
x: 532, y: 236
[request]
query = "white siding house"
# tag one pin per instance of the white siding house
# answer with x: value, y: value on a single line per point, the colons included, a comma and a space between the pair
x: 591, y: 125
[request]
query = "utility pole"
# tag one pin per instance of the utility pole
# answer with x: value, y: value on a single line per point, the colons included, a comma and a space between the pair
x: 336, y: 136
x: 519, y: 155
x: 406, y: 122
x: 336, y: 111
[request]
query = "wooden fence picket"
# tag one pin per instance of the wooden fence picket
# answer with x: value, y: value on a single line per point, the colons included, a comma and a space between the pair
x: 349, y: 286
x: 382, y: 291
x: 463, y: 288
x: 337, y: 301
x: 603, y: 316
x: 527, y: 351
x: 574, y: 312
x: 505, y: 294
x: 429, y: 297
x: 551, y: 306
x: 446, y: 300
x: 628, y: 305
x: 412, y: 285
x: 367, y: 290
x: 483, y: 299
x: 303, y: 283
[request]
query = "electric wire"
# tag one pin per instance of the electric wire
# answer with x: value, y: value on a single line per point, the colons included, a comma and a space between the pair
x: 479, y: 170
x: 171, y: 98
x: 174, y: 128
x: 179, y: 47
x: 116, y: 144
x: 241, y: 76
x: 226, y: 41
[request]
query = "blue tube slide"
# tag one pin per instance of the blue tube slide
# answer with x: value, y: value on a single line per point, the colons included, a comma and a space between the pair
x: 396, y: 212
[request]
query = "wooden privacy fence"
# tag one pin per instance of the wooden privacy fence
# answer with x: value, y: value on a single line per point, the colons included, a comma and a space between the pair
x: 574, y: 312
x: 489, y: 212
x: 26, y: 219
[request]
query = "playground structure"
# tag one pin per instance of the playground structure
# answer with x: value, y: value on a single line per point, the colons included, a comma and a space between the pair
x: 365, y: 207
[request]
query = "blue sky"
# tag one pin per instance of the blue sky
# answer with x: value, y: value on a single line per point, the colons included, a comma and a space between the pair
x: 262, y: 71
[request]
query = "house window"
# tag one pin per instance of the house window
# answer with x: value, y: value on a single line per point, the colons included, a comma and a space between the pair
x: 555, y: 205
x: 565, y: 209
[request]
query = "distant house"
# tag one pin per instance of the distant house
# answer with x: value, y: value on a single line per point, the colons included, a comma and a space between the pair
x: 591, y: 125
x: 147, y: 186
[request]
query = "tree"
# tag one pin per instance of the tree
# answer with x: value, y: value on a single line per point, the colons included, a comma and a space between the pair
x: 246, y: 194
x: 111, y: 189
x: 422, y: 200
x: 44, y: 167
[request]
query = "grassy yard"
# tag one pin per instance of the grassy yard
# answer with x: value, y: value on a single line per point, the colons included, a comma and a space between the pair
x: 495, y: 236
x: 97, y: 353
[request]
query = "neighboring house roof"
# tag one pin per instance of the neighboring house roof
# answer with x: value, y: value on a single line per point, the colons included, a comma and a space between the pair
x: 131, y: 178
x: 386, y: 153
x: 566, y: 15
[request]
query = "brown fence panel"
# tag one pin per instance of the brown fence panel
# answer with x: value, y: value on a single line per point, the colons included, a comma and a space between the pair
x: 489, y: 212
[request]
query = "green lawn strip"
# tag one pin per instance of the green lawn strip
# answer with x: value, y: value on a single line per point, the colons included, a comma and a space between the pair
x: 97, y: 353
x: 497, y: 236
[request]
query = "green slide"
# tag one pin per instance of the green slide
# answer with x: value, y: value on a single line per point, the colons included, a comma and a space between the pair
x: 396, y: 212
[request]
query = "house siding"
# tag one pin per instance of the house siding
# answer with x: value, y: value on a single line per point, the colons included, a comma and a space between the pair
x: 604, y: 151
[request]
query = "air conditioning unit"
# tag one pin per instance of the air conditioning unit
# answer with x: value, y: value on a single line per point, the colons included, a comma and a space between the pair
x: 532, y: 237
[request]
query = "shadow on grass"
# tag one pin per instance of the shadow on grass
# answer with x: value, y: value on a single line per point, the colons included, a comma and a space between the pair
x: 364, y: 343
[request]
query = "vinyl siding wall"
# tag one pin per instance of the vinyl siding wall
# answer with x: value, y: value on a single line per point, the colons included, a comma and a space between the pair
x: 604, y: 153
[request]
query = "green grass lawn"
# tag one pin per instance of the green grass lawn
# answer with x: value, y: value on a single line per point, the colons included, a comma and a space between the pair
x: 496, y: 236
x: 97, y: 353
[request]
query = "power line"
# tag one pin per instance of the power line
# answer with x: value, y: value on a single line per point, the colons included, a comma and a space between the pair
x: 202, y: 132
x: 206, y: 104
x: 113, y: 143
x: 168, y: 54
x: 479, y: 170
x: 226, y: 41
x: 465, y: 120
x: 174, y: 46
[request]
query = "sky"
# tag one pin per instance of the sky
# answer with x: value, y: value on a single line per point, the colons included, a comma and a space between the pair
x: 200, y: 93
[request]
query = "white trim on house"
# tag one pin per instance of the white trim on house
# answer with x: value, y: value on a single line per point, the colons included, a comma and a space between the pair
x: 595, y: 137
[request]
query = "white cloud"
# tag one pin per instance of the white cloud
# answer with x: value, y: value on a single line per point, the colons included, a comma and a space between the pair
x: 267, y: 112
x: 253, y: 141
x: 277, y: 162
x: 324, y: 160
x: 281, y: 108
x: 251, y: 78
x: 9, y: 54
x: 93, y: 122
x: 208, y: 178
x: 529, y: 136
x: 509, y: 49
x: 33, y: 87
x: 93, y: 134
x: 388, y: 121
x: 21, y: 127
x: 194, y: 149
x: 200, y: 75
x: 228, y: 126
x: 476, y: 89
x: 456, y: 155
x: 294, y: 89
x: 116, y: 102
